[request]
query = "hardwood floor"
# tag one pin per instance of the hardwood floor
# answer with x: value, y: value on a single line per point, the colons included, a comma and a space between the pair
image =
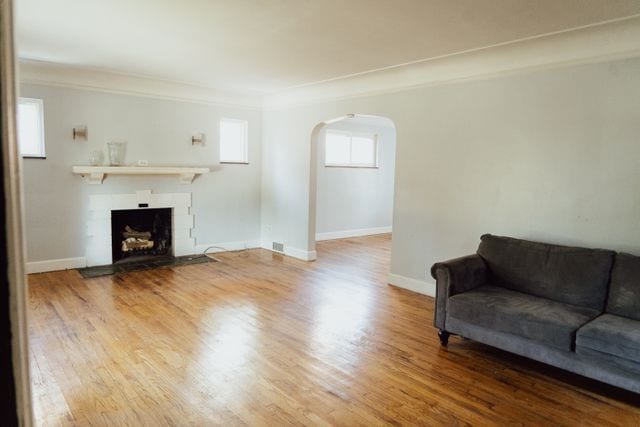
x: 263, y: 339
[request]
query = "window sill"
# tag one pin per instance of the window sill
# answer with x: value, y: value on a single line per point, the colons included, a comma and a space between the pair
x: 352, y: 167
x: 234, y: 163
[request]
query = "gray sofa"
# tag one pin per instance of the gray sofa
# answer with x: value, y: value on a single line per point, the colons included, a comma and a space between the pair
x: 574, y: 308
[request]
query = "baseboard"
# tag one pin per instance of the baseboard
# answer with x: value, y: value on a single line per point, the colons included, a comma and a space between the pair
x: 81, y: 262
x: 227, y: 246
x: 415, y: 285
x: 301, y: 254
x: 330, y: 235
x: 55, y: 265
x: 293, y: 252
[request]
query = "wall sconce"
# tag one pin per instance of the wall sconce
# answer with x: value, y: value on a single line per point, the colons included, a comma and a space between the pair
x: 197, y: 139
x: 80, y: 132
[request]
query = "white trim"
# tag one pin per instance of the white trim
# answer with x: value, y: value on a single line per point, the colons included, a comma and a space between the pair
x: 415, y: 285
x: 96, y: 174
x: 330, y: 235
x: 267, y: 244
x: 292, y: 252
x: 74, y: 77
x: 300, y: 254
x: 81, y: 262
x: 605, y: 41
x: 228, y: 246
x: 608, y: 41
x: 56, y: 265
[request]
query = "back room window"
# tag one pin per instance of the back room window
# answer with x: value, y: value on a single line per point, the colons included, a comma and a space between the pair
x: 351, y: 150
x: 31, y: 127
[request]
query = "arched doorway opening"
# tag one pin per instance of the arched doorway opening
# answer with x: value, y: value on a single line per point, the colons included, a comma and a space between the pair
x: 352, y: 177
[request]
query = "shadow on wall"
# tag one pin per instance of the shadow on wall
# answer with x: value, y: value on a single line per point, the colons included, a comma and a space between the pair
x: 352, y: 177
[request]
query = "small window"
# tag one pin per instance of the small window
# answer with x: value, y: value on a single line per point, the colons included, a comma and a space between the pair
x: 233, y: 141
x: 31, y: 127
x: 351, y: 150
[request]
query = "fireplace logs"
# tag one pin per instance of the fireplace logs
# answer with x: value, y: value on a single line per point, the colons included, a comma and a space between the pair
x: 141, y: 232
x: 130, y: 232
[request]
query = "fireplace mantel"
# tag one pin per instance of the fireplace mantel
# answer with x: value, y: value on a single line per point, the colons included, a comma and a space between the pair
x: 96, y: 174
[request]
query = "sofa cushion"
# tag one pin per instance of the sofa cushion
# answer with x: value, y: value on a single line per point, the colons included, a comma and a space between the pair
x: 576, y: 276
x: 603, y: 359
x: 624, y: 290
x: 611, y: 334
x: 539, y: 319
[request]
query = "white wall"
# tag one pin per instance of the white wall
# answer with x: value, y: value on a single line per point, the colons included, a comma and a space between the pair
x: 551, y: 155
x: 226, y: 202
x: 352, y: 200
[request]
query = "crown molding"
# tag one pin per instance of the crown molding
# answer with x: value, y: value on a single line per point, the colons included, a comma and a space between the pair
x: 61, y: 75
x: 609, y: 41
x: 613, y: 40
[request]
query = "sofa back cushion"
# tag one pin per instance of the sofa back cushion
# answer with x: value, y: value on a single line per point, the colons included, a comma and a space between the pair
x: 624, y: 291
x: 577, y: 276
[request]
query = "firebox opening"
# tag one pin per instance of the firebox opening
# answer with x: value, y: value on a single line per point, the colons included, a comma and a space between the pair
x: 140, y: 233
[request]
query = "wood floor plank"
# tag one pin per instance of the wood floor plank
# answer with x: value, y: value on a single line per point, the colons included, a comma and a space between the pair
x: 262, y: 339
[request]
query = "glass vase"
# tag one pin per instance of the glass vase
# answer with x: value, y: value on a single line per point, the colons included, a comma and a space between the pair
x: 96, y: 158
x: 116, y: 153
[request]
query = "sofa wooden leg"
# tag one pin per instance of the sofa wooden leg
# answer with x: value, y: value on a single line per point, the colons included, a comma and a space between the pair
x: 444, y: 337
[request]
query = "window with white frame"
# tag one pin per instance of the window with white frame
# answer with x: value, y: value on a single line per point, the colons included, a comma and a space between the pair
x: 31, y: 127
x: 351, y: 150
x: 234, y: 141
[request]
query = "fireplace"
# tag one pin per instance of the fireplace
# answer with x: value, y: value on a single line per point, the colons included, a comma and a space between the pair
x: 100, y: 233
x: 140, y: 233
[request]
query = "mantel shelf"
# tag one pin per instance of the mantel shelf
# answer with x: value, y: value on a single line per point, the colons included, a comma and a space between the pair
x: 96, y: 174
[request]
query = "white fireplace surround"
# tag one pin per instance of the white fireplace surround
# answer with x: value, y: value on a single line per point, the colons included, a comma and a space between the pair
x: 98, y: 250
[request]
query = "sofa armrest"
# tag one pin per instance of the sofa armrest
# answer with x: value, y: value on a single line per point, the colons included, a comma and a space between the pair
x: 454, y: 277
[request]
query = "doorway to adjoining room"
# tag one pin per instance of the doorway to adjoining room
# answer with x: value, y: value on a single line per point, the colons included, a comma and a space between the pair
x: 353, y: 175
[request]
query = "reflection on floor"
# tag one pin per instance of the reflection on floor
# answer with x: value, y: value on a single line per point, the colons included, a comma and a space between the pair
x: 259, y: 338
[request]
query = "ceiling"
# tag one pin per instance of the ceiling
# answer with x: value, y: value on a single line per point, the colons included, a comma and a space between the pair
x: 263, y: 46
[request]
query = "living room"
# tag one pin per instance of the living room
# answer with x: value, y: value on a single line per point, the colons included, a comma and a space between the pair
x: 311, y: 172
